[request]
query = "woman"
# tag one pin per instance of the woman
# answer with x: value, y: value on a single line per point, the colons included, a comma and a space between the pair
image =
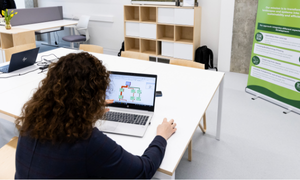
x: 57, y: 134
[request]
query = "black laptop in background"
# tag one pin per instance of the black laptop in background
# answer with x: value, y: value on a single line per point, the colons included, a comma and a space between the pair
x: 20, y: 60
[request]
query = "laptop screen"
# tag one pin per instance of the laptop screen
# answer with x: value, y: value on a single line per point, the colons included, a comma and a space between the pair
x: 132, y: 90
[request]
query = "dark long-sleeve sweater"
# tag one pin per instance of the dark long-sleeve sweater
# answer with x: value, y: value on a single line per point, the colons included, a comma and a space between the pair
x: 97, y: 157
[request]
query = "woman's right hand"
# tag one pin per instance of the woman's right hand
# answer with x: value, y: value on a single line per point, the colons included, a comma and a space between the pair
x: 108, y: 101
x: 166, y: 128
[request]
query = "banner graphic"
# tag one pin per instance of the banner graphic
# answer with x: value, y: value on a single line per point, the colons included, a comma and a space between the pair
x: 275, y: 62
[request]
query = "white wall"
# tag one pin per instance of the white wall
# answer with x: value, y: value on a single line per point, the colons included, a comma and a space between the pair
x: 111, y: 34
x: 20, y: 3
x: 226, y: 27
x: 210, y: 25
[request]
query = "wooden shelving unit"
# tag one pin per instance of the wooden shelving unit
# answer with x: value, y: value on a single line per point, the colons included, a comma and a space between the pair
x: 15, y: 40
x: 162, y: 31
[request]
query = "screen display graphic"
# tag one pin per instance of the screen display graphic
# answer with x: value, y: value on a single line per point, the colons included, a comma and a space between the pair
x: 128, y: 89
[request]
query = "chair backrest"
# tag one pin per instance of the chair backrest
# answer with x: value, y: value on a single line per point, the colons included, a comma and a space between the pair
x: 83, y: 23
x: 187, y: 63
x: 91, y: 48
x: 7, y: 159
x: 135, y: 55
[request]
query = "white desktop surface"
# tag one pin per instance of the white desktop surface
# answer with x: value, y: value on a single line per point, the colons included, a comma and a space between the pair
x: 187, y: 93
x: 47, y: 25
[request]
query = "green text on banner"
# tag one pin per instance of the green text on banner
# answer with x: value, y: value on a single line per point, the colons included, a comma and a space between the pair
x: 275, y: 61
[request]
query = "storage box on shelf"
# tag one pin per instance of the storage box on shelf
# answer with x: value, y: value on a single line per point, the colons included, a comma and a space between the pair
x: 162, y: 31
x: 15, y: 40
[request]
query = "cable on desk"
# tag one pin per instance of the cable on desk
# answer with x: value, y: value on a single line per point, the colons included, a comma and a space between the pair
x: 44, y: 65
x: 47, y: 62
x: 18, y: 74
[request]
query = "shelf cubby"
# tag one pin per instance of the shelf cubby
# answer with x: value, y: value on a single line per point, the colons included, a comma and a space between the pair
x: 148, y: 14
x: 6, y: 41
x: 148, y: 46
x: 132, y: 44
x: 132, y: 13
x: 165, y: 32
x: 158, y: 48
x: 184, y: 34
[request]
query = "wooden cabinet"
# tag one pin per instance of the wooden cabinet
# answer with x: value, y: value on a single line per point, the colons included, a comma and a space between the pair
x: 162, y: 31
x: 15, y: 40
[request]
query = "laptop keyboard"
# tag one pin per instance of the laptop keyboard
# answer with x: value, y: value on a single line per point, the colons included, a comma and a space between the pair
x: 126, y: 118
x: 4, y: 68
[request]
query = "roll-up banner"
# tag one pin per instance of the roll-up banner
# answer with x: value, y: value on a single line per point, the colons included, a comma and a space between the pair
x: 274, y: 73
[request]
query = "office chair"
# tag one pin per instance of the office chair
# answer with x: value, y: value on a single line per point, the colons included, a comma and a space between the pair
x: 81, y: 32
x: 135, y: 55
x: 91, y: 48
x: 193, y: 64
x: 7, y: 159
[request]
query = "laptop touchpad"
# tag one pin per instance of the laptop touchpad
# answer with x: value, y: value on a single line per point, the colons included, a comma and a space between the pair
x: 108, y: 126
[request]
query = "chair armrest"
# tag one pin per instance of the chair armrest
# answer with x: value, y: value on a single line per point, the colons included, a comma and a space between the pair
x: 81, y: 28
x: 71, y: 26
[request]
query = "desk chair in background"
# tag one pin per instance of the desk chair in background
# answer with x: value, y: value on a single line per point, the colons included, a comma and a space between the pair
x: 81, y: 32
x: 7, y: 159
x: 91, y: 48
x: 193, y: 64
x: 135, y: 55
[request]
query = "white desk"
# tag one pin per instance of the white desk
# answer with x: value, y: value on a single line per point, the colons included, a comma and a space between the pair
x: 187, y: 93
x: 48, y: 26
x: 21, y: 38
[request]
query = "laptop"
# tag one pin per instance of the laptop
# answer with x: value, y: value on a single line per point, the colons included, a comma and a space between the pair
x: 133, y: 106
x: 20, y: 60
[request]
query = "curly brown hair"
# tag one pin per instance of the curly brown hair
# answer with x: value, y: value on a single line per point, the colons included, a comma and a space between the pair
x: 68, y: 101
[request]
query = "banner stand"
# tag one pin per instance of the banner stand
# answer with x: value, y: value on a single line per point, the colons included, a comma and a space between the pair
x: 273, y: 101
x: 274, y: 73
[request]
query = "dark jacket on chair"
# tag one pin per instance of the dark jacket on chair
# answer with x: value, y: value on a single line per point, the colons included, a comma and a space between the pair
x: 7, y: 4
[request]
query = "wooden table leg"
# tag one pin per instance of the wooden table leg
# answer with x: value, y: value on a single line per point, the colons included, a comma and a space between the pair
x: 190, y: 151
x: 203, y: 129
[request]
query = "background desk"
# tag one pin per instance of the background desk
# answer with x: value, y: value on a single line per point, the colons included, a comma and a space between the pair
x: 50, y: 26
x: 21, y: 38
x: 187, y: 93
x: 15, y: 40
x: 24, y: 26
